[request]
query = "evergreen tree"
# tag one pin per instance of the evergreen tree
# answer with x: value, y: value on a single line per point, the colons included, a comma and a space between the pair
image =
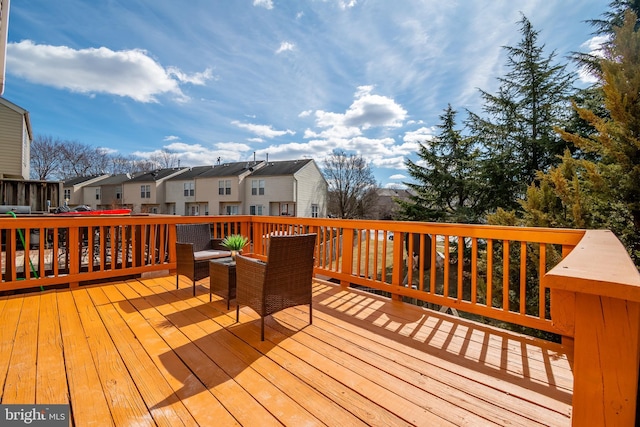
x: 606, y: 26
x: 446, y: 188
x: 517, y: 129
x: 601, y: 193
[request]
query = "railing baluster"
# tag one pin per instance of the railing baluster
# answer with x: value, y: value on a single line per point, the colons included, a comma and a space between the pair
x: 523, y: 277
x: 542, y: 271
x: 505, y: 274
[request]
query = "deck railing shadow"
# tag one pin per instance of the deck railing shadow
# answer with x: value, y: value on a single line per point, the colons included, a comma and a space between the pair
x: 453, y: 340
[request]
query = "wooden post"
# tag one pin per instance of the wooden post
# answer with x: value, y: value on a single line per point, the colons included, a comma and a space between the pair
x: 606, y: 285
x: 347, y: 254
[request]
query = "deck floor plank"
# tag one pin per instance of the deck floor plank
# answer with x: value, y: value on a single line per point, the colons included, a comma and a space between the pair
x: 50, y: 364
x: 20, y: 384
x: 89, y: 405
x: 9, y: 319
x: 176, y: 359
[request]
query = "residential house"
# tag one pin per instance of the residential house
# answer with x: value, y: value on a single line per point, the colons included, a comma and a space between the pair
x: 15, y: 141
x: 290, y: 188
x: 221, y: 190
x: 73, y: 189
x: 106, y: 193
x: 387, y: 206
x: 146, y: 192
x: 181, y: 193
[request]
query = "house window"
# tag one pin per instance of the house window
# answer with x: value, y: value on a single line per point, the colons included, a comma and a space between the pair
x: 97, y: 194
x: 255, y: 210
x: 287, y: 209
x: 314, y: 211
x: 194, y: 210
x: 257, y: 187
x: 118, y: 195
x: 224, y: 187
x: 67, y: 193
x: 188, y: 189
x: 145, y: 191
x: 231, y: 209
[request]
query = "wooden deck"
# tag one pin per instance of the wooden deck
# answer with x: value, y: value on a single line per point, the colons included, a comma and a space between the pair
x: 141, y: 353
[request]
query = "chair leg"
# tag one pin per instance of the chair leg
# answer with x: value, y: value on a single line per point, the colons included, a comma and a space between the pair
x: 310, y: 314
x: 261, y: 328
x: 194, y: 287
x: 237, y: 313
x: 177, y: 281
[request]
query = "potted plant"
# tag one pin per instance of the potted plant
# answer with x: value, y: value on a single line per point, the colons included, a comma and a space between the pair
x: 235, y: 243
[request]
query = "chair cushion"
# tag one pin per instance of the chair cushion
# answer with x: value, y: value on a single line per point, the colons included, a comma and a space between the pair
x: 202, y: 255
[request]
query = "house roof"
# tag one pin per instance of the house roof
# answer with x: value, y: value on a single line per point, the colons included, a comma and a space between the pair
x: 78, y: 180
x: 156, y: 175
x: 191, y: 173
x: 114, y: 179
x: 228, y: 169
x: 287, y: 167
x: 394, y: 192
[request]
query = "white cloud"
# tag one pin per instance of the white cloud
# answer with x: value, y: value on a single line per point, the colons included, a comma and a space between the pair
x: 199, y: 79
x: 594, y: 44
x: 347, y: 4
x: 262, y: 130
x: 171, y: 138
x: 285, y: 46
x: 594, y: 47
x: 366, y: 111
x: 397, y: 176
x: 128, y: 73
x: 420, y: 135
x: 267, y: 4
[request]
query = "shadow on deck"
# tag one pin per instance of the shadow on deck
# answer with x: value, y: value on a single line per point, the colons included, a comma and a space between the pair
x: 141, y: 351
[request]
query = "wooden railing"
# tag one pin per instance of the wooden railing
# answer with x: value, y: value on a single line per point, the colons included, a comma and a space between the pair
x: 65, y: 250
x: 568, y: 282
x: 461, y: 267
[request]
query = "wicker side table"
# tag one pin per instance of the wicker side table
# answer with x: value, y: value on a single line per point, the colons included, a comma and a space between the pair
x: 222, y: 278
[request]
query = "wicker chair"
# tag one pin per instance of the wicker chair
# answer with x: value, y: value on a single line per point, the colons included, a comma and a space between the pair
x: 194, y: 249
x: 284, y: 280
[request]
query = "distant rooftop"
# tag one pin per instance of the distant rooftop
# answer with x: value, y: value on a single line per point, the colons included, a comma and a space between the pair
x: 286, y: 167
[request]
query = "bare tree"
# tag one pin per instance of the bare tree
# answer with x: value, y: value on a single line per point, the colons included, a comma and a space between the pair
x: 75, y: 159
x: 45, y: 158
x: 352, y: 186
x: 164, y: 159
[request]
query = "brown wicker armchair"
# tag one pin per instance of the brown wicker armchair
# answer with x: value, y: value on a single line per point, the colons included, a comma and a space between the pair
x: 194, y: 249
x: 284, y: 280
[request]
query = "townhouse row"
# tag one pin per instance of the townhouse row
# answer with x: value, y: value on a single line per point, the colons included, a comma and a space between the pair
x: 291, y: 188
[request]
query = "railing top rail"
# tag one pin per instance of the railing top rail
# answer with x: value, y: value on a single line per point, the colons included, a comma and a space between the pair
x: 598, y: 265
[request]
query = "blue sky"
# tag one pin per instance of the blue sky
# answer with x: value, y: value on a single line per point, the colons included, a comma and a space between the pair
x: 284, y: 79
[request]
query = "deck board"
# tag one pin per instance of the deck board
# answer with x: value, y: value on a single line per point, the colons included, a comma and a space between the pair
x: 140, y: 352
